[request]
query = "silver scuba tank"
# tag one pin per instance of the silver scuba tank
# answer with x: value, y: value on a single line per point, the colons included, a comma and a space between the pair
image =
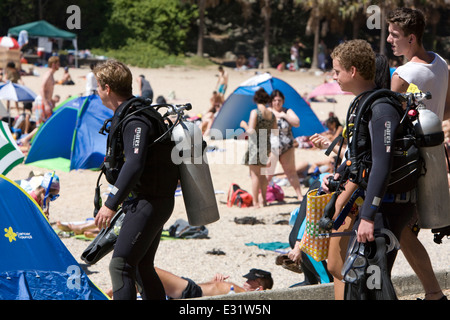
x: 195, y: 177
x: 433, y: 198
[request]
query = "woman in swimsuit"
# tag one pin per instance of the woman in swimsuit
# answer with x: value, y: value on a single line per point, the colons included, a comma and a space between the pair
x: 283, y: 149
x: 258, y: 129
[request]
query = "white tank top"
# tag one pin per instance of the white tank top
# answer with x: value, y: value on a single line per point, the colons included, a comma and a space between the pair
x: 431, y: 77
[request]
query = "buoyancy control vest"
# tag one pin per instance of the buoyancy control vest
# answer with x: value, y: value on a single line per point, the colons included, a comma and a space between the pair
x: 114, y: 158
x: 187, y: 145
x: 419, y: 155
x: 407, y: 162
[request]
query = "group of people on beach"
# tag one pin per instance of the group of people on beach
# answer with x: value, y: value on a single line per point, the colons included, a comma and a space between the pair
x: 144, y: 179
x: 356, y: 71
x: 265, y: 149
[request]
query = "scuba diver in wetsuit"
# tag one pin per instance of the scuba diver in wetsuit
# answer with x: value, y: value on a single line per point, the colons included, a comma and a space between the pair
x: 144, y: 184
x: 354, y: 70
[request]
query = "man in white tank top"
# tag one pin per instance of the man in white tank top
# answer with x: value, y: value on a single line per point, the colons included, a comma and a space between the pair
x: 432, y: 77
x: 426, y: 69
x: 429, y: 72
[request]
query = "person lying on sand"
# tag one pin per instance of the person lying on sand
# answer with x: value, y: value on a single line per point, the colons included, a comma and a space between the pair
x: 183, y: 288
x: 88, y: 228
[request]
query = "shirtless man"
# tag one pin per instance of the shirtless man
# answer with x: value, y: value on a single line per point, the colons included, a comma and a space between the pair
x: 222, y: 82
x: 177, y: 287
x: 44, y: 111
x: 181, y: 288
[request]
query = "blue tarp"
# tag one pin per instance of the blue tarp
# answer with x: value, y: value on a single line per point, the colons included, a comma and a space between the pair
x: 34, y: 263
x: 240, y: 103
x: 72, y: 133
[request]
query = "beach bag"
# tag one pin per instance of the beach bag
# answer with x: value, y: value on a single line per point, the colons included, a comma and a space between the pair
x: 311, y: 243
x: 274, y: 193
x: 239, y: 197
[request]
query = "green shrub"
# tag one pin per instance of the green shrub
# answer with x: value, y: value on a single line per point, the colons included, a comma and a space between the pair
x: 145, y: 55
x: 162, y: 23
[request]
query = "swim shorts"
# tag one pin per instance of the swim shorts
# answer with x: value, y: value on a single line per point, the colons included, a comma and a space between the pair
x: 222, y: 88
x: 40, y: 114
x: 192, y: 290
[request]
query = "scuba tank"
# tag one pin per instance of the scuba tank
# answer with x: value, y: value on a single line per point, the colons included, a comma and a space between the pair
x: 195, y: 177
x: 196, y: 182
x: 433, y: 199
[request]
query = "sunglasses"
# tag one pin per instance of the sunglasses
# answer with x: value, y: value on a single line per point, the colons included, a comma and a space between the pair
x: 53, y: 197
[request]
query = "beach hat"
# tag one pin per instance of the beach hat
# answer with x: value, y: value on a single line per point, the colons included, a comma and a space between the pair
x: 46, y: 181
x: 257, y: 274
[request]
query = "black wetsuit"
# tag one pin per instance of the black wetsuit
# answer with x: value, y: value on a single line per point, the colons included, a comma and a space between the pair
x: 146, y: 187
x: 388, y: 211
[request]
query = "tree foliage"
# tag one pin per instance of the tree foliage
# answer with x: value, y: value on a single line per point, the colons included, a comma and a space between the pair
x: 161, y: 23
x: 149, y: 30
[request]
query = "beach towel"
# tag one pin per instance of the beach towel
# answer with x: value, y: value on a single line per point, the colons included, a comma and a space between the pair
x: 272, y: 246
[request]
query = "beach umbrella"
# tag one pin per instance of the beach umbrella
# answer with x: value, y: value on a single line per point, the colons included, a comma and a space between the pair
x: 10, y: 154
x: 327, y: 89
x: 16, y: 92
x: 9, y: 42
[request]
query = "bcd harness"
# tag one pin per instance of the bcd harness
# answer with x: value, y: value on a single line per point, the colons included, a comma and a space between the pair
x: 407, y: 166
x: 114, y: 158
x: 407, y: 162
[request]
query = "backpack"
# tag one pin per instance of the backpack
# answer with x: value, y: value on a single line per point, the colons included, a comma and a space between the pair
x: 274, y: 192
x: 114, y: 158
x: 239, y: 197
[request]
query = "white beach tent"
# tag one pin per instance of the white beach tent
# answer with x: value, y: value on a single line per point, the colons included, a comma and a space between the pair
x: 10, y: 154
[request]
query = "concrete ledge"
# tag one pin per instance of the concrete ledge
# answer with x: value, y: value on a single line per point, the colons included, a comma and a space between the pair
x: 404, y: 286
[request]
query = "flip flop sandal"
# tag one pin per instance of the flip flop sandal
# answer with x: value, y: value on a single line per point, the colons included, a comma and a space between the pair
x: 284, y: 261
x: 292, y: 266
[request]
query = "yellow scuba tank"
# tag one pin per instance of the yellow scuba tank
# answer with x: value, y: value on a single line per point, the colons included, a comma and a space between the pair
x: 433, y: 198
x: 195, y: 177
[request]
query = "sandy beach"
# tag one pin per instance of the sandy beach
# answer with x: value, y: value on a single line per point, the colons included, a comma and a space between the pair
x: 189, y: 258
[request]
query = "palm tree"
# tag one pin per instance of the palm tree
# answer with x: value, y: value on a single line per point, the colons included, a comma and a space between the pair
x: 266, y: 13
x: 320, y: 9
x: 202, y: 5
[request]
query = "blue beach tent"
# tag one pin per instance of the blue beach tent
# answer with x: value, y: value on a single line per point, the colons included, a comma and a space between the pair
x: 240, y: 103
x: 70, y: 138
x: 34, y: 263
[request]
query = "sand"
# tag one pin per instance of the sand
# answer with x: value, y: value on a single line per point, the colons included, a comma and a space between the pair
x: 189, y: 258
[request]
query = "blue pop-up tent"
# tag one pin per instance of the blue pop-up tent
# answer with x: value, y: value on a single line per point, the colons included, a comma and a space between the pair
x: 70, y: 139
x: 35, y: 264
x: 240, y: 103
